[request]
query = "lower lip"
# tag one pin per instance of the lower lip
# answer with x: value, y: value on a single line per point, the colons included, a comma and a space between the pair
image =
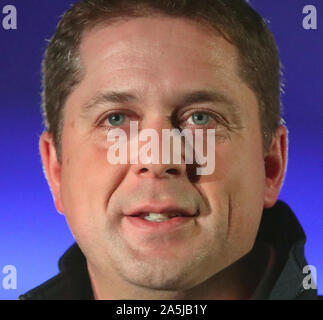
x: 164, y: 226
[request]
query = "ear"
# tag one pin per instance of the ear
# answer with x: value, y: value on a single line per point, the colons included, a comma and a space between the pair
x: 51, y: 167
x: 275, y: 165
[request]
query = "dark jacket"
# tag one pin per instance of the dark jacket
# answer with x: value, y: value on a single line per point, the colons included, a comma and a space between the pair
x: 279, y: 227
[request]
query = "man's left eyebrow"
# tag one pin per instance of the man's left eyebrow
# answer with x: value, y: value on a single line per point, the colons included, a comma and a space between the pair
x: 201, y: 96
x: 108, y: 97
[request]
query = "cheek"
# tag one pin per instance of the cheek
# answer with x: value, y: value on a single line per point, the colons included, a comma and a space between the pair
x: 87, y: 183
x: 246, y: 187
x: 236, y: 191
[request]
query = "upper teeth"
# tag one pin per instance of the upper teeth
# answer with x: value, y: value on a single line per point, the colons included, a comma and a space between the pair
x: 158, y: 217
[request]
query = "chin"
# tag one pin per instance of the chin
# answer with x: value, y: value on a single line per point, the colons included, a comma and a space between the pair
x: 162, y: 274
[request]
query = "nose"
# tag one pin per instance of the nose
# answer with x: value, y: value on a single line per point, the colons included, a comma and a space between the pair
x: 151, y: 153
x: 159, y: 170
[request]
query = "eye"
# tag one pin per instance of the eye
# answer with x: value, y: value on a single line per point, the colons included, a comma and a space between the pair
x: 200, y: 118
x: 116, y: 119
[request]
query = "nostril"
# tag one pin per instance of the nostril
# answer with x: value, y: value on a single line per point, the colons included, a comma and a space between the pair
x: 172, y: 171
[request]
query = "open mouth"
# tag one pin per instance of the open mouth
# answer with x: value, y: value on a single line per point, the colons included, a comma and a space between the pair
x: 162, y: 216
x: 158, y: 217
x: 150, y: 215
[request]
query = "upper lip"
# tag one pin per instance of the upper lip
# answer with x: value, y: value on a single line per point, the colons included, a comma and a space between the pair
x: 162, y: 209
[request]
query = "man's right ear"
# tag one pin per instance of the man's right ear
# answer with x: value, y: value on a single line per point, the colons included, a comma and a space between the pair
x: 51, y: 167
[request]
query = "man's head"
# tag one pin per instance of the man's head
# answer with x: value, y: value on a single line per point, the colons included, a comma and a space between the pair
x: 159, y: 63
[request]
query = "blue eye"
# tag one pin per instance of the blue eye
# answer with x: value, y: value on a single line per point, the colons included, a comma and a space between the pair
x: 200, y: 118
x: 116, y: 119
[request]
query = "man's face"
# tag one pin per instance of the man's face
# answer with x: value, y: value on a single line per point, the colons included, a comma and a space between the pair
x: 160, y: 62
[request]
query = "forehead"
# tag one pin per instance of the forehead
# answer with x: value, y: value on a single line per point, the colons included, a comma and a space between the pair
x: 143, y: 41
x: 157, y: 30
x: 175, y: 52
x: 158, y: 58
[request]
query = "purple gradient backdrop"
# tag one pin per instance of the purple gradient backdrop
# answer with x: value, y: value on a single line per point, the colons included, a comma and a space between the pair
x: 33, y: 236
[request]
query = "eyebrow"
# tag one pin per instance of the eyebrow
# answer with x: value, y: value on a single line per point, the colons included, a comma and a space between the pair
x: 109, y: 97
x: 205, y: 96
x: 182, y: 100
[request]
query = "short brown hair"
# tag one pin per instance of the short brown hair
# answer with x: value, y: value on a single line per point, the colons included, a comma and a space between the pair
x: 259, y: 63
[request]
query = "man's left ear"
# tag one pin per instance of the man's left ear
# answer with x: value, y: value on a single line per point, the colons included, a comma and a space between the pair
x: 275, y: 165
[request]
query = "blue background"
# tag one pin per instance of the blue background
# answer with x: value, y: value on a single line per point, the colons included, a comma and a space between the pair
x: 33, y: 235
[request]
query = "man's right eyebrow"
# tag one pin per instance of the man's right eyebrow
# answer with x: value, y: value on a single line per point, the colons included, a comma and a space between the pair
x: 108, y: 97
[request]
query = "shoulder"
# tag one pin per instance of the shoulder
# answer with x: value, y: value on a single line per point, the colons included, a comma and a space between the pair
x: 52, y: 289
x: 72, y: 282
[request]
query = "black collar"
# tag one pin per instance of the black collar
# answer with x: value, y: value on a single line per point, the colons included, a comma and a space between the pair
x: 280, y: 227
